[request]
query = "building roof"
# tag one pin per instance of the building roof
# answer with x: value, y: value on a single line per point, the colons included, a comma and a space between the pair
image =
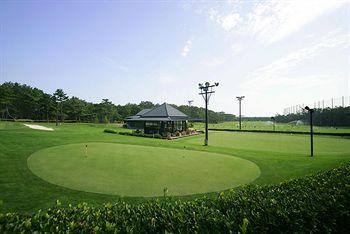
x: 142, y: 112
x: 164, y: 112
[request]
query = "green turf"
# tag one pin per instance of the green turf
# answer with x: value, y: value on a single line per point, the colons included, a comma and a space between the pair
x: 131, y: 170
x: 267, y: 125
x: 4, y: 125
x: 279, y: 156
x: 284, y: 143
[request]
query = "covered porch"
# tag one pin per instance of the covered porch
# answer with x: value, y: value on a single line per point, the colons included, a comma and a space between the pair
x: 164, y: 127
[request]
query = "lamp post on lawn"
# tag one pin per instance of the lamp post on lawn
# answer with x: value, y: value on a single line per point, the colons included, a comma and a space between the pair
x: 189, y: 106
x: 311, y: 111
x: 240, y: 98
x: 206, y: 91
x: 274, y: 123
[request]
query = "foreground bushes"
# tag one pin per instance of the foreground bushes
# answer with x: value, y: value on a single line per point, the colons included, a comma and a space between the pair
x: 139, y: 134
x: 319, y: 203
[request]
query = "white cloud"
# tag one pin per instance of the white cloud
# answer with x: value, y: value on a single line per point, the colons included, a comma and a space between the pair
x: 274, y: 20
x: 229, y: 21
x: 236, y: 49
x: 186, y: 49
x: 270, y: 21
x: 276, y: 73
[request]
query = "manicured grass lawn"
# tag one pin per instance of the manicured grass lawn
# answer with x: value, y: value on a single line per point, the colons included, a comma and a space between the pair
x: 10, y: 125
x: 267, y: 125
x: 279, y: 157
x: 133, y: 170
x: 277, y: 143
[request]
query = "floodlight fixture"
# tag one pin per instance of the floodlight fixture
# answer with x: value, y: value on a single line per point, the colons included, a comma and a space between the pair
x: 206, y: 91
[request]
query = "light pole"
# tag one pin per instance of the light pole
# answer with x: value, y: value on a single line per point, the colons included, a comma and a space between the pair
x: 206, y: 91
x: 240, y: 98
x: 189, y: 106
x: 311, y: 111
x: 274, y: 123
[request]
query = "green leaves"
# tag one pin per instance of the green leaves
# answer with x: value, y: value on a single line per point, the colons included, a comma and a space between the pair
x: 313, y: 204
x: 110, y: 131
x: 244, y: 226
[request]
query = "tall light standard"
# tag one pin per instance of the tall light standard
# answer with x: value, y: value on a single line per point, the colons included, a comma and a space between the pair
x: 206, y: 91
x: 240, y: 98
x: 274, y: 123
x: 189, y: 106
x: 311, y: 111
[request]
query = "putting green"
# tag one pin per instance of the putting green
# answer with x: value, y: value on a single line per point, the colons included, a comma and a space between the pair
x: 132, y: 170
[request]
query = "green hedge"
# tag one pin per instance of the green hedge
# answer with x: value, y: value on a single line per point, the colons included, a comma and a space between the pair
x: 110, y: 131
x: 319, y: 203
x: 158, y: 136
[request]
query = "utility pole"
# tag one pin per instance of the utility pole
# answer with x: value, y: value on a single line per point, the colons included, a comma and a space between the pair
x: 206, y: 91
x: 311, y: 111
x: 240, y: 98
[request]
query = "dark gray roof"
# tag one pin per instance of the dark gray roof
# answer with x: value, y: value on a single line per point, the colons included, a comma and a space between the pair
x: 133, y: 117
x: 164, y: 110
x: 150, y: 119
x: 143, y: 112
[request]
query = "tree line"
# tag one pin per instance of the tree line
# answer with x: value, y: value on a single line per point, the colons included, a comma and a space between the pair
x: 20, y: 101
x: 336, y: 117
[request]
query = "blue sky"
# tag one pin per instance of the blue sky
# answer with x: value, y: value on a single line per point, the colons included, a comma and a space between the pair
x: 276, y: 53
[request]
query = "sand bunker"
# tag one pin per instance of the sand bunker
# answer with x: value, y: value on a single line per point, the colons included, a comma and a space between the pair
x: 38, y: 127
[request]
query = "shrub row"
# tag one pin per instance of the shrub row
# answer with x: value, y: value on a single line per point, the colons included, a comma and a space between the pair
x: 110, y: 131
x: 319, y: 203
x: 158, y: 136
x: 139, y: 134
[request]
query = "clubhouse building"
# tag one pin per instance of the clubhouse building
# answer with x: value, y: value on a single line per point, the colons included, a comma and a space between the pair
x: 162, y: 120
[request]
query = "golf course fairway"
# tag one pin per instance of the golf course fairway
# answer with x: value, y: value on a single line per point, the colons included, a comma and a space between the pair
x: 143, y: 171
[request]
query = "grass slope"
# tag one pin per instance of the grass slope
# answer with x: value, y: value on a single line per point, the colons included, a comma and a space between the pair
x: 278, y: 156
